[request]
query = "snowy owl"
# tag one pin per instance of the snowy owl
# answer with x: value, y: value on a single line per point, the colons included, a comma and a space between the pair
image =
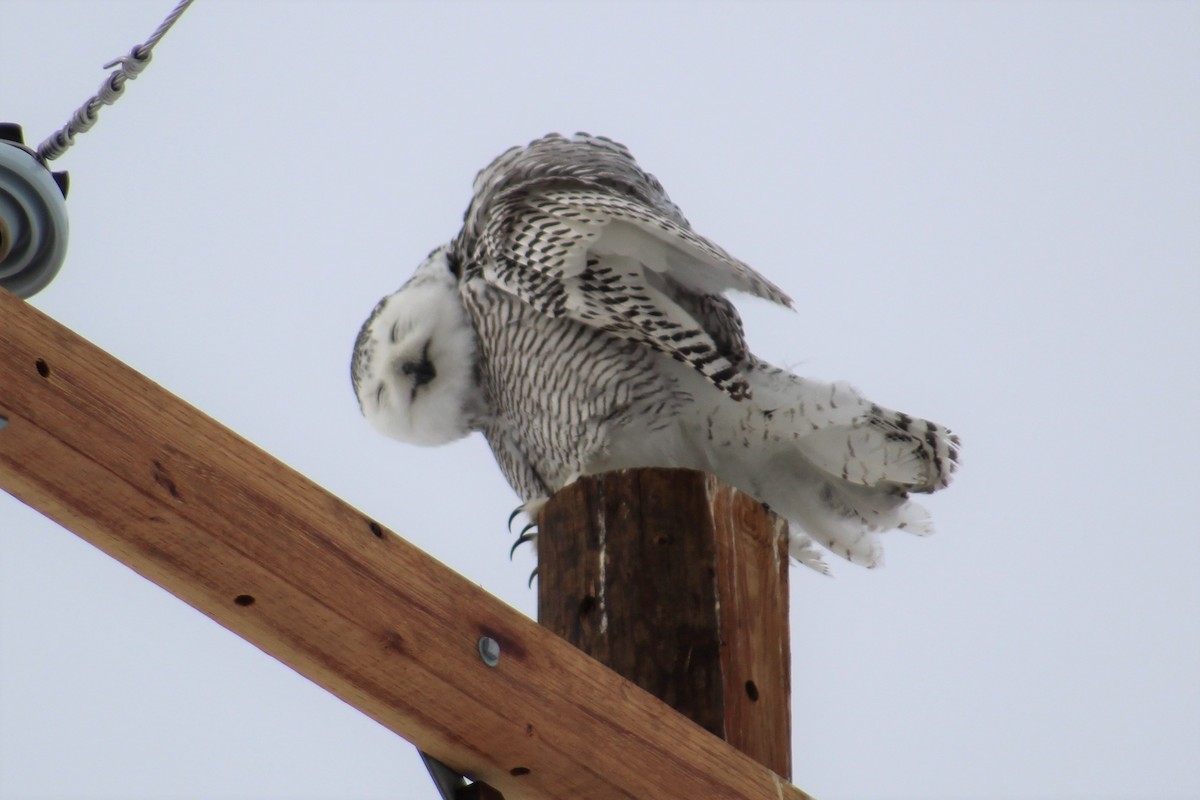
x: 580, y: 323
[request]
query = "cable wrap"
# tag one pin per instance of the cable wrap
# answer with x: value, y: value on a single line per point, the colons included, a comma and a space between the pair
x: 128, y: 67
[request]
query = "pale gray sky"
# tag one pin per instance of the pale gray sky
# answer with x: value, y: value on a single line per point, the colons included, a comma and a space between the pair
x: 989, y: 214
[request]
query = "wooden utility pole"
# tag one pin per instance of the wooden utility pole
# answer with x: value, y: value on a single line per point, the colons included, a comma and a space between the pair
x: 680, y: 584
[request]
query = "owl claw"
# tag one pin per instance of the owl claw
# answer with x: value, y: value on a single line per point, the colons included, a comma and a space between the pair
x: 532, y: 575
x: 525, y: 536
x: 529, y: 508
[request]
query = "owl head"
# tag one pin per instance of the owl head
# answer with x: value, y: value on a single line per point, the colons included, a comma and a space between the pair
x: 414, y: 361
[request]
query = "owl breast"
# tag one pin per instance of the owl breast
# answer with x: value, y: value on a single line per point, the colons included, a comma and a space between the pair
x: 567, y: 399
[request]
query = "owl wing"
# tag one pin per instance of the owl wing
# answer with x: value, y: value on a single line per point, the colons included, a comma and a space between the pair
x: 615, y: 263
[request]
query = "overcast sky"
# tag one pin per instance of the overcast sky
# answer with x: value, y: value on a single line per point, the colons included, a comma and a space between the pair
x: 989, y: 215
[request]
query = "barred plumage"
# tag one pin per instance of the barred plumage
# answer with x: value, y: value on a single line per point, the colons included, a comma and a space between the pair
x: 580, y: 324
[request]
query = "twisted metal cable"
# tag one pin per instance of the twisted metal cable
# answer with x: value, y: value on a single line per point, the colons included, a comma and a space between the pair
x: 128, y: 67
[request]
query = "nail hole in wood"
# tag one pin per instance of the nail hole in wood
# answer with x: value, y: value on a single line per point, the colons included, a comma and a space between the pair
x: 752, y: 691
x: 43, y: 368
x: 375, y: 529
x: 517, y: 772
x: 244, y: 600
x: 587, y: 605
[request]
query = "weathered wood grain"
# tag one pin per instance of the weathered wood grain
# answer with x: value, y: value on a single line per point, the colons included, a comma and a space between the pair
x: 679, y: 583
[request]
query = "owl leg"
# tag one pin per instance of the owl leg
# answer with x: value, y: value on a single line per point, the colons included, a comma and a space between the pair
x: 533, y: 507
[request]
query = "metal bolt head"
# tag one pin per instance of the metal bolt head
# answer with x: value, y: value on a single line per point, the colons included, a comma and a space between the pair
x: 489, y: 651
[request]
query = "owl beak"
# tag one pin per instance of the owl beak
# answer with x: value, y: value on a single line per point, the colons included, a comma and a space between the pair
x: 422, y: 372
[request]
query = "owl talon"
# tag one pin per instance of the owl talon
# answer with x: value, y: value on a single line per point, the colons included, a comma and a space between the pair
x: 529, y: 508
x: 525, y: 536
x: 532, y: 575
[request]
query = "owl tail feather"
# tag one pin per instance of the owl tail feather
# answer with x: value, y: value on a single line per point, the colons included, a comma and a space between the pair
x: 841, y: 467
x: 847, y: 436
x: 843, y: 518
